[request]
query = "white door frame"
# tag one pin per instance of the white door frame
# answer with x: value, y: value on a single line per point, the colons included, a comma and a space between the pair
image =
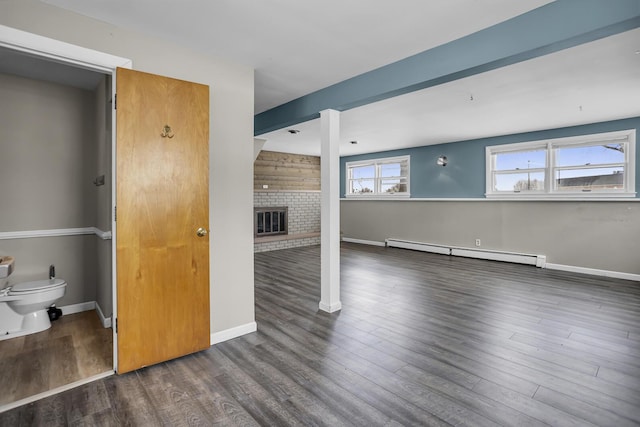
x: 76, y: 56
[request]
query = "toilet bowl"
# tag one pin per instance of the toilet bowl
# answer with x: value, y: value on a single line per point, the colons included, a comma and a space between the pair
x: 23, y: 306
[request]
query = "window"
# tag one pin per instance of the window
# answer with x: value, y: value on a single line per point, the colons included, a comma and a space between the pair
x: 386, y: 177
x: 601, y: 165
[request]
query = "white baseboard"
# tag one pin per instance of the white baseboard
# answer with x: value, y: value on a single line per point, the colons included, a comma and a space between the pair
x: 330, y: 308
x: 594, y: 271
x: 78, y: 308
x: 228, y: 334
x: 106, y: 321
x: 362, y: 242
x: 87, y: 306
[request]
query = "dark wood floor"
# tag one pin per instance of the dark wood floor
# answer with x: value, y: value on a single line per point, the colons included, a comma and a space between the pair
x: 76, y: 347
x: 422, y: 339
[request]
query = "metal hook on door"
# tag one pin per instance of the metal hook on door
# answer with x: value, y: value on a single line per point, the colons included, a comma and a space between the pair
x: 167, y: 132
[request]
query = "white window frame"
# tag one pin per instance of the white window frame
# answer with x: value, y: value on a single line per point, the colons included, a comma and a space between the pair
x: 626, y: 137
x: 377, y: 163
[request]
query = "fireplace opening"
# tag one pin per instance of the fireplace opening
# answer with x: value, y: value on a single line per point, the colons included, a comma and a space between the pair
x: 270, y: 221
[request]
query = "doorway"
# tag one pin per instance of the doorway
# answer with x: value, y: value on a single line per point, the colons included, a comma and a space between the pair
x: 96, y: 235
x: 173, y: 193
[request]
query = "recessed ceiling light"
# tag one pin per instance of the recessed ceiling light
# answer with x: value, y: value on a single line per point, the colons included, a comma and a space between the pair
x: 293, y: 131
x: 354, y: 142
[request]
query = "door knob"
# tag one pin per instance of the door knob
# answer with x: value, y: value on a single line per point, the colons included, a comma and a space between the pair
x: 201, y: 232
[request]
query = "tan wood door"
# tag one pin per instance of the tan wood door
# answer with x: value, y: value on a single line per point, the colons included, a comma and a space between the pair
x: 162, y: 199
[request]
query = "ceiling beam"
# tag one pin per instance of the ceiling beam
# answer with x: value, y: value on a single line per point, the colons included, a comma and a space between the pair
x: 556, y: 26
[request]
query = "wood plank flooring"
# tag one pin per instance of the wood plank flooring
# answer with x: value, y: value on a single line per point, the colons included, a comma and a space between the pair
x: 422, y: 339
x: 75, y: 347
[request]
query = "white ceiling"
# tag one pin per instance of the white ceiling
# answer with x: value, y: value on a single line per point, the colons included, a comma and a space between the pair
x: 594, y: 82
x: 298, y: 47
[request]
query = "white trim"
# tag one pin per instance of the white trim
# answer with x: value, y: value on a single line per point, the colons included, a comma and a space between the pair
x: 59, y: 51
x: 104, y: 235
x: 594, y: 271
x: 44, y: 47
x: 106, y: 321
x: 86, y: 306
x: 269, y: 190
x: 592, y: 139
x: 528, y: 198
x: 601, y: 197
x: 550, y: 146
x: 78, y: 308
x: 330, y: 308
x: 378, y: 196
x: 363, y: 242
x: 49, y: 393
x: 29, y: 234
x: 376, y: 163
x: 231, y: 333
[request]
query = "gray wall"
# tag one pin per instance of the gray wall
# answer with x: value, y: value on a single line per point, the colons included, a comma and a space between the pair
x: 231, y: 143
x: 49, y: 150
x: 599, y: 235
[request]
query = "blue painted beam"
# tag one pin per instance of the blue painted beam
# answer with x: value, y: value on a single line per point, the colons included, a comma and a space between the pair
x: 550, y: 28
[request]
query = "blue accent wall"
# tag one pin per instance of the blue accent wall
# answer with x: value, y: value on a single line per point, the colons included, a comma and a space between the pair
x: 464, y: 175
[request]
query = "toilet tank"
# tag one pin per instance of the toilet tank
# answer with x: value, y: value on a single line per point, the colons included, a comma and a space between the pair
x: 6, y: 266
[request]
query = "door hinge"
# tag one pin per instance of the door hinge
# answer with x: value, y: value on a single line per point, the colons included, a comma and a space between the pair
x: 115, y: 101
x: 115, y: 213
x: 116, y: 325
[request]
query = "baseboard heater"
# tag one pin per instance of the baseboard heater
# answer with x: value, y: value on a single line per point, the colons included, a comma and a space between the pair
x: 519, y: 258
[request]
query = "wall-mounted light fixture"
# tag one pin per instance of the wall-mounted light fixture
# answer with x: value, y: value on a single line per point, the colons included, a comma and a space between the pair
x: 442, y: 161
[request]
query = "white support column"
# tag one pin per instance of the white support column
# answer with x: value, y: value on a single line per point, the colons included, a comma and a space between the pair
x: 330, y: 211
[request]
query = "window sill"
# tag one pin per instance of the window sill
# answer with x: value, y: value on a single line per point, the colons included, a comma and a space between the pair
x: 378, y: 196
x: 564, y: 196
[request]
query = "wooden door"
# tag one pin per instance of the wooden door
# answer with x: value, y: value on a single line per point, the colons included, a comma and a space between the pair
x: 162, y: 199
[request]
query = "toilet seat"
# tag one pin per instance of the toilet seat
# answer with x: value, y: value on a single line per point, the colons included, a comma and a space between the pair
x: 27, y: 288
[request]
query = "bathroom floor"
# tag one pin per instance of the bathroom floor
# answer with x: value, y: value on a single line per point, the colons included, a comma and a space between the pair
x: 75, y: 347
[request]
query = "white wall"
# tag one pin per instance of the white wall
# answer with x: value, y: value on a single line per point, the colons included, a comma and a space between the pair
x: 231, y: 144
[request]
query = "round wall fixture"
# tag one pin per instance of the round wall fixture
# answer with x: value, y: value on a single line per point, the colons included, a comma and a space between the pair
x: 442, y: 161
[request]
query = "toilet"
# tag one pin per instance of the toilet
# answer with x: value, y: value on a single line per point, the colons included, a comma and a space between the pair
x: 23, y: 306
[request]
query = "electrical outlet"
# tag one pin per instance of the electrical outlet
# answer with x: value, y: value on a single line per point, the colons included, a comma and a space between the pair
x: 477, y: 242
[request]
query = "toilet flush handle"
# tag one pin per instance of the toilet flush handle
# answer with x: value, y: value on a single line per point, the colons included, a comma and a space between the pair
x: 201, y: 232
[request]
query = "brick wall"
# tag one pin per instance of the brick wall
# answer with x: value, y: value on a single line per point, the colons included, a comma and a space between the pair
x: 304, y: 218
